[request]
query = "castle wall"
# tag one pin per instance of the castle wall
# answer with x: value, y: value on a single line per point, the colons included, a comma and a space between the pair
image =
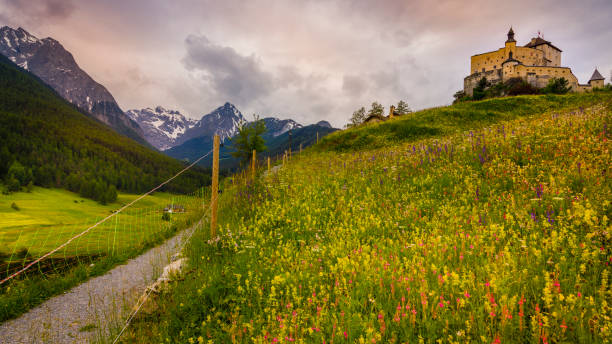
x: 550, y: 53
x: 469, y: 82
x: 487, y: 61
x: 597, y: 83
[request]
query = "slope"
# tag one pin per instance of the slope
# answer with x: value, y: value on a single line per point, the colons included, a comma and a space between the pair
x: 499, y: 233
x: 45, y: 140
x: 47, y: 59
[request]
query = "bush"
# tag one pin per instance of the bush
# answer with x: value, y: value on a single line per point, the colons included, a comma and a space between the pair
x: 479, y: 90
x: 13, y: 185
x: 557, y: 86
x: 166, y: 217
x: 15, y: 206
x: 518, y: 86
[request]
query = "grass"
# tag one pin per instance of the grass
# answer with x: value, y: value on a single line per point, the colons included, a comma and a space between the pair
x: 442, y: 121
x: 59, y: 212
x: 50, y: 217
x: 498, y: 234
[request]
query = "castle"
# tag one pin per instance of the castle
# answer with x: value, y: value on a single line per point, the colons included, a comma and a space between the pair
x: 537, y: 62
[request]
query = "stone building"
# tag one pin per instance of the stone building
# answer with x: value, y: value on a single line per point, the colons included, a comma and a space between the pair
x: 537, y: 62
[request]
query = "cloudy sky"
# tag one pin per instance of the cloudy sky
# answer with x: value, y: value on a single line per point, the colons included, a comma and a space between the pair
x: 307, y: 60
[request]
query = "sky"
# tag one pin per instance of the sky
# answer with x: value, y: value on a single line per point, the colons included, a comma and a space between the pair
x: 308, y: 60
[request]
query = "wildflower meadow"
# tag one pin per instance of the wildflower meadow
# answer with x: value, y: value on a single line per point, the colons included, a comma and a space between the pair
x: 498, y: 234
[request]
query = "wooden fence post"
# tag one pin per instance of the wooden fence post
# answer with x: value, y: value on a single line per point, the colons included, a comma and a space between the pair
x: 300, y: 148
x: 215, y: 188
x: 317, y: 137
x: 253, y: 165
x: 268, y: 164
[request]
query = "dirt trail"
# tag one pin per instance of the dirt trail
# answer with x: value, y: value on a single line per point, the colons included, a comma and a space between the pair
x: 87, y: 310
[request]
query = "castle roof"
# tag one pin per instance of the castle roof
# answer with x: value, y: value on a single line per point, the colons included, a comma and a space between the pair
x: 539, y: 41
x: 510, y: 36
x: 596, y: 76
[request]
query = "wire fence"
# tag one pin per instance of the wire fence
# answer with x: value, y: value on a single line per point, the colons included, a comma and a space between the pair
x: 54, y: 250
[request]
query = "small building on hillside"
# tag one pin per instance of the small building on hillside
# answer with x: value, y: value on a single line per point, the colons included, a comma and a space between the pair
x: 536, y: 62
x: 174, y: 208
x: 375, y: 118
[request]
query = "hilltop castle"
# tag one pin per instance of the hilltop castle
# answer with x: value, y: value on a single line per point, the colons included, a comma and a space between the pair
x: 537, y: 62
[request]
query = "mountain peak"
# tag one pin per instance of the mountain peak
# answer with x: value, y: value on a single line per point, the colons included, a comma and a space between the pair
x: 325, y: 124
x: 47, y: 59
x: 161, y: 126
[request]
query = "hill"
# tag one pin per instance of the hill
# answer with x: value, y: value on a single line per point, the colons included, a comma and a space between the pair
x: 47, y: 59
x: 493, y: 228
x: 47, y: 141
x: 452, y: 119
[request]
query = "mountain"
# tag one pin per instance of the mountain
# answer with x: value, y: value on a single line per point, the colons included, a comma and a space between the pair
x: 276, y: 127
x: 325, y: 124
x: 47, y: 59
x: 277, y: 141
x: 161, y: 127
x: 223, y: 121
x: 47, y: 141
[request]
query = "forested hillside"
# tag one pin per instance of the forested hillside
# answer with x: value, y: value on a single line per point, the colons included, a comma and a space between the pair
x: 46, y: 141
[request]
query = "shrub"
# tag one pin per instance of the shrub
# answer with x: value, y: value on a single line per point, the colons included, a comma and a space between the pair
x: 15, y: 206
x: 557, y: 86
x: 518, y: 86
x: 479, y: 90
x: 166, y: 217
x: 13, y: 185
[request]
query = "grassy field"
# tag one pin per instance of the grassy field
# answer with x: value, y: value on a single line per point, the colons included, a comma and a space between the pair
x: 47, y: 218
x: 495, y: 234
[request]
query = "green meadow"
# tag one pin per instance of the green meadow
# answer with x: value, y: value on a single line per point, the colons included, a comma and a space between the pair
x: 34, y: 223
x: 46, y: 218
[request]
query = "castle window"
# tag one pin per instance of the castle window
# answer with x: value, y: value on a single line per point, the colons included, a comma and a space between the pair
x: 483, y: 70
x: 495, y: 66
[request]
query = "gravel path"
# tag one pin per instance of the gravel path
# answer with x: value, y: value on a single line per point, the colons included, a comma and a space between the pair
x: 86, y: 311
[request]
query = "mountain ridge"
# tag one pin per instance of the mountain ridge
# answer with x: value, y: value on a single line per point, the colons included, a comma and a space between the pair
x: 53, y: 64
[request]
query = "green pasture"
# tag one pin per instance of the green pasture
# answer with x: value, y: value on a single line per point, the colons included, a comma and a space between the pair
x: 49, y: 217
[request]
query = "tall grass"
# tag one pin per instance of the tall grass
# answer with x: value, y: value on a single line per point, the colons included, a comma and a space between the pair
x: 497, y: 234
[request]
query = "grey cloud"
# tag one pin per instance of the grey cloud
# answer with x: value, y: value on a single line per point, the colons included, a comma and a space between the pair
x: 354, y: 85
x: 37, y: 11
x: 232, y: 76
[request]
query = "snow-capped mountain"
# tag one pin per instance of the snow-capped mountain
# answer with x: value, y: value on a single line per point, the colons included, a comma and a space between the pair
x: 223, y: 121
x: 47, y: 59
x: 276, y: 127
x: 162, y: 127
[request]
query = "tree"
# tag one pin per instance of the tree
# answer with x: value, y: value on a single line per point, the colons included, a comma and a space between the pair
x: 376, y: 109
x: 479, y: 90
x: 358, y: 117
x: 517, y: 86
x: 557, y: 86
x: 403, y: 108
x: 249, y: 139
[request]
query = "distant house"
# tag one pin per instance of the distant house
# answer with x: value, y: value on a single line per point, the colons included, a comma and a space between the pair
x: 375, y: 118
x: 174, y: 208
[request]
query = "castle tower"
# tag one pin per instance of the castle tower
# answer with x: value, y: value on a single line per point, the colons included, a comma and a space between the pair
x: 597, y: 80
x: 510, y: 44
